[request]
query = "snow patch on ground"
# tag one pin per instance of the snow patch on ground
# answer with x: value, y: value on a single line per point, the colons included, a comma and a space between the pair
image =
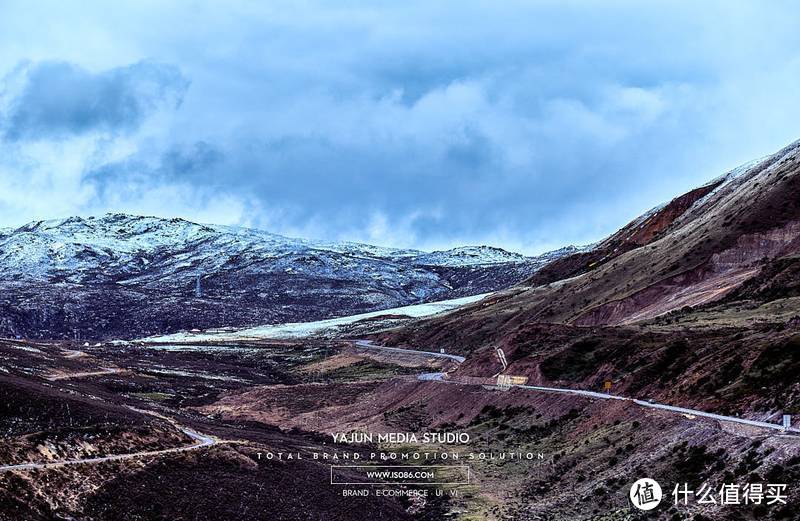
x: 305, y: 329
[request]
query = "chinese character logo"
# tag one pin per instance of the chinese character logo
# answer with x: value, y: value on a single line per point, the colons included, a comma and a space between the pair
x: 645, y: 494
x: 732, y: 494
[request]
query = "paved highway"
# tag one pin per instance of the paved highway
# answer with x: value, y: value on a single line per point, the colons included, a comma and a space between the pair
x: 201, y: 440
x: 367, y: 344
x: 102, y: 372
x: 442, y: 377
x: 655, y: 405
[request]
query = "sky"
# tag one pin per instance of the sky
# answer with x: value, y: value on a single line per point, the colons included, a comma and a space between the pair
x: 524, y: 125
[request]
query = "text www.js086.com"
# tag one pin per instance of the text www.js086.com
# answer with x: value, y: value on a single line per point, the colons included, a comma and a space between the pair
x: 400, y: 474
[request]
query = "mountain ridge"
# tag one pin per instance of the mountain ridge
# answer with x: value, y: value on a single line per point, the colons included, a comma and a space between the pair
x: 221, y: 275
x: 689, y: 252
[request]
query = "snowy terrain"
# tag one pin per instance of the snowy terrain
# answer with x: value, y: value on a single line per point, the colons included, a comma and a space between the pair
x: 328, y: 327
x: 130, y: 276
x: 128, y: 249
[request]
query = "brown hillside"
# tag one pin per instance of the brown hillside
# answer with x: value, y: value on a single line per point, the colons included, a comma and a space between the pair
x: 694, y: 251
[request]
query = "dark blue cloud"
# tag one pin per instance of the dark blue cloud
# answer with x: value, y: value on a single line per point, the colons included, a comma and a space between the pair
x: 61, y: 99
x: 522, y: 124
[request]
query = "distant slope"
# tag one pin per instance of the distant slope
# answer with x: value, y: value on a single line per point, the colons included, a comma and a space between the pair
x: 730, y: 237
x: 129, y: 276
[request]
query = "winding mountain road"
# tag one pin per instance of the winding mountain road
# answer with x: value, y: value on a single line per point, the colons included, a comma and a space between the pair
x: 367, y: 344
x: 201, y: 440
x: 102, y: 372
x: 661, y: 406
x: 443, y: 378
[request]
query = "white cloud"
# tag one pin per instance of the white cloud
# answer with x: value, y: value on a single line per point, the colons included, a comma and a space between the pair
x: 416, y: 124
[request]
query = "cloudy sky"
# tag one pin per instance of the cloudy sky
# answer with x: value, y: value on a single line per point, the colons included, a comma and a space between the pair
x: 416, y: 124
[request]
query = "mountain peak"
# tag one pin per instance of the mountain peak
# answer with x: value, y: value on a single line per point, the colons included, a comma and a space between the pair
x: 253, y: 276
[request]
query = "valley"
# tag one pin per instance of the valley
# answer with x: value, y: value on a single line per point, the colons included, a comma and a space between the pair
x: 259, y: 395
x: 669, y: 350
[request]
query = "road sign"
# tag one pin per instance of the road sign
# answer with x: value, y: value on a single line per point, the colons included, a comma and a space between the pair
x: 502, y: 357
x: 505, y: 382
x: 607, y: 386
x: 787, y: 421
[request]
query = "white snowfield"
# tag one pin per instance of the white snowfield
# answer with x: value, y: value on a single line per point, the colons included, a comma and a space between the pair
x: 306, y: 329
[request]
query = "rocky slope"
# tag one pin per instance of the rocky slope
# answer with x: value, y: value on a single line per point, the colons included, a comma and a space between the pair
x: 727, y: 238
x: 123, y: 275
x: 696, y: 303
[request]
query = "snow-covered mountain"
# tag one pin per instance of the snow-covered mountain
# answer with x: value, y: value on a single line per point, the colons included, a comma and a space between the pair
x: 129, y: 249
x: 221, y: 275
x: 469, y: 256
